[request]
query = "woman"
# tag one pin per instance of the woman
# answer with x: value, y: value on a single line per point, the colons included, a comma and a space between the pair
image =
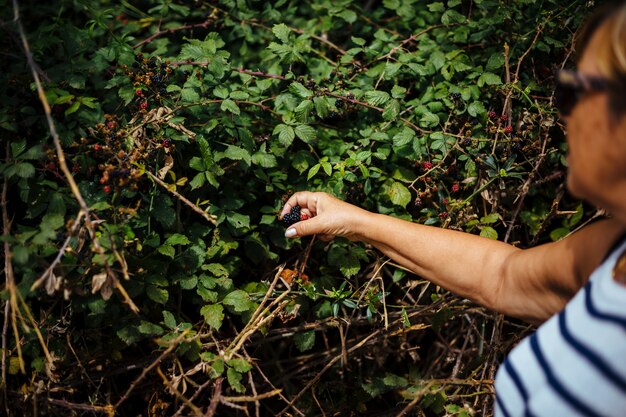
x: 575, y: 363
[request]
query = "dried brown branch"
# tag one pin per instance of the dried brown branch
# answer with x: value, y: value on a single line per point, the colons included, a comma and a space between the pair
x: 9, y: 282
x: 215, y: 399
x: 210, y: 218
x: 173, y: 345
x: 61, y: 159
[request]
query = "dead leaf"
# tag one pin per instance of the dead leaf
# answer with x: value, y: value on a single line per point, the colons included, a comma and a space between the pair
x: 169, y: 163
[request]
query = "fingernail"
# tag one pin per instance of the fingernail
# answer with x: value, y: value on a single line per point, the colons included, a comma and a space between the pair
x: 291, y: 232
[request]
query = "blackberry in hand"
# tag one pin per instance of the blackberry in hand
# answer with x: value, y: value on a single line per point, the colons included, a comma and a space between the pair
x: 292, y: 217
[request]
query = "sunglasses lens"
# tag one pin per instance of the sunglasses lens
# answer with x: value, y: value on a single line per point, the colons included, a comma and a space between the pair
x: 566, y: 97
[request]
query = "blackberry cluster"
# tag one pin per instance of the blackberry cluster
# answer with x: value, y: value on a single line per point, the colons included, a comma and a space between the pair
x: 292, y: 217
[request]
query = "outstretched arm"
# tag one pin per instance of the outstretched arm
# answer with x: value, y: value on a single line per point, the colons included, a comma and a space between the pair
x: 531, y: 284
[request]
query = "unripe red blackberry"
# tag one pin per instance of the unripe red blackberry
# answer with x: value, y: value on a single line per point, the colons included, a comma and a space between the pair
x: 492, y: 114
x: 508, y: 129
x: 427, y: 165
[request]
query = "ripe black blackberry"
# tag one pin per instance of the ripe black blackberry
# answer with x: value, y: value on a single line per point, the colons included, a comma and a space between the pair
x: 292, y: 217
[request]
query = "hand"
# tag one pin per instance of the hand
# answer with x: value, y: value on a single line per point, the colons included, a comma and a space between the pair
x: 328, y: 216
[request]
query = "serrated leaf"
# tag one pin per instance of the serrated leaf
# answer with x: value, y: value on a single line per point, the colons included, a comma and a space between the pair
x: 438, y: 59
x: 239, y: 300
x: 282, y: 32
x: 169, y: 320
x: 239, y: 365
x: 264, y: 160
x: 306, y: 133
x: 305, y: 340
x: 489, y: 232
x: 488, y: 78
x: 167, y: 250
x: 149, y: 328
x: 476, y: 108
x: 490, y: 218
x: 177, y: 239
x: 238, y: 154
x: 376, y: 98
x: 313, y: 171
x: 189, y: 95
x: 220, y: 92
x: 213, y: 315
x: 495, y: 61
x: 234, y: 380
x: 429, y: 119
x: 391, y: 110
x: 156, y: 294
x: 230, y: 106
x: 399, y: 194
x: 347, y: 15
x: 404, y: 137
x: 322, y: 106
x: 299, y: 90
x: 24, y: 170
x: 285, y: 133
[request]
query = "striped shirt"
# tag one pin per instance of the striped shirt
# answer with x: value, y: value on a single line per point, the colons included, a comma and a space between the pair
x: 575, y: 363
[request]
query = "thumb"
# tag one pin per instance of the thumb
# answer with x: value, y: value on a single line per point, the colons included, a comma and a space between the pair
x: 303, y: 228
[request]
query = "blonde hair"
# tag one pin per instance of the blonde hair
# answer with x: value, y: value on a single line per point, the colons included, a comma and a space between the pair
x: 609, y: 23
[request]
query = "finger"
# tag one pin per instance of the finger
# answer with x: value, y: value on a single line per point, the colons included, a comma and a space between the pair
x: 304, y: 199
x: 308, y: 227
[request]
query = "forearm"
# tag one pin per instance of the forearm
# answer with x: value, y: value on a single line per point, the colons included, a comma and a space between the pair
x: 468, y: 265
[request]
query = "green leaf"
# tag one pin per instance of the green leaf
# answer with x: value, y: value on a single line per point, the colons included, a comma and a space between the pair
x: 489, y: 232
x: 313, y: 171
x: 476, y: 108
x: 285, y: 134
x: 490, y: 218
x: 156, y: 294
x: 24, y: 170
x: 305, y: 340
x: 392, y: 110
x: 306, y: 133
x: 399, y: 194
x: 234, y: 379
x: 239, y: 300
x: 429, y: 119
x: 404, y: 137
x: 322, y: 106
x: 189, y: 95
x: 299, y: 90
x: 376, y: 98
x: 495, y: 61
x: 169, y: 320
x: 230, y: 106
x: 221, y: 92
x: 177, y: 239
x: 282, y: 32
x: 167, y: 250
x: 238, y: 154
x: 348, y: 15
x: 239, y: 365
x: 213, y: 315
x: 150, y: 328
x: 489, y: 79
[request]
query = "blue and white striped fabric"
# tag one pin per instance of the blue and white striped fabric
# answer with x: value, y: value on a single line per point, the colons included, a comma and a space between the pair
x: 575, y: 363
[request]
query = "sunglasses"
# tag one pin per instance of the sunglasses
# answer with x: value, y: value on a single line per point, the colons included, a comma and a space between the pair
x: 571, y: 86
